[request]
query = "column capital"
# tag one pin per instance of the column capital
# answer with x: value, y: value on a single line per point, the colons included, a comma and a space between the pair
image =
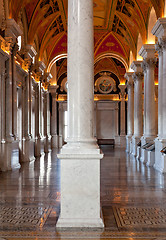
x: 129, y: 78
x: 136, y: 66
x: 163, y: 43
x: 53, y: 90
x: 147, y: 51
x: 159, y: 48
x: 138, y: 76
x: 148, y: 63
x: 122, y: 91
x: 12, y: 30
x: 159, y: 29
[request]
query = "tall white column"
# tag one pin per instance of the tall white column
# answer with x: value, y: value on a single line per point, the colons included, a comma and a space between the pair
x: 27, y: 151
x: 54, y: 136
x: 160, y: 82
x: 148, y: 53
x: 61, y: 110
x: 116, y: 120
x: 138, y: 105
x: 122, y: 115
x: 37, y: 128
x: 80, y: 157
x: 46, y: 112
x: 130, y: 110
x: 159, y: 30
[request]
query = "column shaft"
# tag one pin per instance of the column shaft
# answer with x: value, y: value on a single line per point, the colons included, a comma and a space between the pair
x: 160, y: 82
x: 138, y: 117
x: 150, y: 129
x: 130, y: 112
x: 80, y: 71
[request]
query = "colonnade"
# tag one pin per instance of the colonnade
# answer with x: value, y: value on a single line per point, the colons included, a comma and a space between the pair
x: 27, y: 126
x: 146, y: 140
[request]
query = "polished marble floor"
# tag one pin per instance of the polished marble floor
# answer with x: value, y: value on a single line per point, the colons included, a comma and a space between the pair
x: 133, y: 199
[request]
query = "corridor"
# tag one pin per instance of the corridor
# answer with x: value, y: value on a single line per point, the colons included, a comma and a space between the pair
x: 133, y: 199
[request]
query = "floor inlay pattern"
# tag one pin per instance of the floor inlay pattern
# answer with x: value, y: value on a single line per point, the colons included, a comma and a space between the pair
x: 140, y: 217
x: 24, y: 216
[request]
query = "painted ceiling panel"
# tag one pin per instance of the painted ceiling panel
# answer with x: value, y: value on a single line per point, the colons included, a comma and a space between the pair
x: 123, y: 19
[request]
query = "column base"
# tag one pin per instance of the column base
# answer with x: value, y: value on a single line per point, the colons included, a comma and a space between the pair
x: 37, y: 147
x: 27, y: 151
x: 135, y: 141
x: 138, y: 153
x: 9, y: 156
x: 117, y: 141
x: 151, y: 158
x: 160, y: 158
x: 144, y: 152
x: 80, y: 223
x: 128, y: 141
x: 47, y: 142
x: 80, y: 186
x: 123, y: 141
x: 54, y: 141
x: 60, y: 141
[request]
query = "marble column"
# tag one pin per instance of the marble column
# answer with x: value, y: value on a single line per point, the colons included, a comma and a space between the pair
x: 30, y: 53
x: 159, y: 30
x: 3, y: 163
x: 54, y: 136
x: 130, y: 110
x: 39, y: 139
x: 138, y: 105
x: 148, y: 53
x: 14, y: 92
x: 27, y: 151
x: 80, y: 157
x: 46, y: 112
x: 37, y: 131
x: 116, y: 120
x: 122, y: 115
x: 11, y: 145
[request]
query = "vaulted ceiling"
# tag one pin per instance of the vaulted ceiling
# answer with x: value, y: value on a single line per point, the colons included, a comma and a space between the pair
x: 117, y: 25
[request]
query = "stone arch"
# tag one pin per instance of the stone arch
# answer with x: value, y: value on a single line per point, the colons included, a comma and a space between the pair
x: 114, y: 56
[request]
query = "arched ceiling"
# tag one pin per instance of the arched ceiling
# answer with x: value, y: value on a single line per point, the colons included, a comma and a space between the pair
x: 117, y: 24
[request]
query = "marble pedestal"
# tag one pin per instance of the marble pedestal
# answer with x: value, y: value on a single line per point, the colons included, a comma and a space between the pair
x: 80, y: 188
x: 55, y: 141
x: 27, y: 151
x: 151, y: 158
x: 47, y: 141
x: 60, y: 141
x: 9, y: 156
x: 37, y: 147
x: 160, y: 158
x: 144, y: 152
x: 123, y: 141
x: 135, y: 141
x: 128, y: 142
x: 138, y: 153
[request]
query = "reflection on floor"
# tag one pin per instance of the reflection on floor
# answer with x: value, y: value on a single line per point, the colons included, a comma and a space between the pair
x: 133, y: 200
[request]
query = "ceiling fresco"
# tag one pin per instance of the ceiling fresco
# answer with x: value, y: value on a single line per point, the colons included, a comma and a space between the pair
x: 117, y: 24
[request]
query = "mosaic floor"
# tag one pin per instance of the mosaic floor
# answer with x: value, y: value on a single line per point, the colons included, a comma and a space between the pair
x: 133, y: 199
